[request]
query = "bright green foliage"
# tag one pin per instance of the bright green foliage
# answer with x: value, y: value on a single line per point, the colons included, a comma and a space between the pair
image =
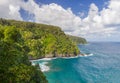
x: 14, y: 64
x: 22, y: 40
x: 1, y: 32
x: 41, y: 40
x: 49, y: 43
x: 11, y: 34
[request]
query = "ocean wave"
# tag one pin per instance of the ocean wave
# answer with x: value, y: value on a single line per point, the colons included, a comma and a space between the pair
x: 43, y: 66
x: 33, y: 63
x: 83, y: 55
x: 86, y: 55
x: 70, y: 57
x: 44, y: 59
x: 48, y: 59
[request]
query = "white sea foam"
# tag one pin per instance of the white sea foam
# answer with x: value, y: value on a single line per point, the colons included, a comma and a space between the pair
x: 91, y: 54
x: 86, y: 55
x: 48, y: 59
x: 43, y: 66
x: 44, y: 59
x: 33, y: 63
x: 69, y: 57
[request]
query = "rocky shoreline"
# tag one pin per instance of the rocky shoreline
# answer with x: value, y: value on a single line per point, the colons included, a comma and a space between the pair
x: 56, y: 56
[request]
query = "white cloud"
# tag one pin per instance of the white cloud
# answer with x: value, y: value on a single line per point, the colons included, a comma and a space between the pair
x: 102, y: 24
x: 98, y: 24
x: 53, y: 14
x: 14, y: 12
x: 10, y: 9
x: 111, y: 14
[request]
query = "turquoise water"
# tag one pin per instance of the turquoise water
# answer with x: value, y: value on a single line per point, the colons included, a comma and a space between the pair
x: 102, y: 67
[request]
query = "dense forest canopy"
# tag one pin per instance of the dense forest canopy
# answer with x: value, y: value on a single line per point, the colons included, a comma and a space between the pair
x: 14, y: 63
x: 21, y: 41
x: 43, y: 40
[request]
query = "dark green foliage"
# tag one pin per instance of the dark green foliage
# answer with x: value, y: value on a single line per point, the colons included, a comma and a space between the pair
x: 43, y: 40
x: 21, y: 41
x: 78, y: 40
x: 14, y: 64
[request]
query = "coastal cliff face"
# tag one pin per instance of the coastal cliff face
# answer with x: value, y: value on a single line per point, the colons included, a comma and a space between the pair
x: 21, y: 41
x: 15, y: 66
x: 40, y: 40
x: 77, y: 40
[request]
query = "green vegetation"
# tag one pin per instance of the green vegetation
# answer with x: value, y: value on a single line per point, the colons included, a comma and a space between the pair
x: 41, y: 40
x: 14, y: 63
x: 77, y: 40
x: 21, y: 41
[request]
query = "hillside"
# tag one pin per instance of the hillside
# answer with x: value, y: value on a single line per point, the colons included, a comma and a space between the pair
x: 43, y: 40
x: 77, y: 40
x: 14, y: 63
x: 21, y: 41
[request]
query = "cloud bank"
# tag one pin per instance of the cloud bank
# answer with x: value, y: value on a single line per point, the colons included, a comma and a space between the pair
x: 97, y: 25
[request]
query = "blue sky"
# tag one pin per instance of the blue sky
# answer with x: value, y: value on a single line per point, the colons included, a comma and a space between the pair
x: 95, y: 20
x: 75, y: 5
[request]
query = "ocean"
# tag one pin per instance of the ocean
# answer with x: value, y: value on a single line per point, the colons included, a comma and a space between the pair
x: 100, y: 65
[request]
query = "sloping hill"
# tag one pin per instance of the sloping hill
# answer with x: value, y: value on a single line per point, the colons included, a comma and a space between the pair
x: 77, y: 40
x: 21, y: 41
x: 43, y: 40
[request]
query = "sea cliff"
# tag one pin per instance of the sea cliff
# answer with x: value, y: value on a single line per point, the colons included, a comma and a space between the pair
x: 41, y: 40
x: 21, y: 41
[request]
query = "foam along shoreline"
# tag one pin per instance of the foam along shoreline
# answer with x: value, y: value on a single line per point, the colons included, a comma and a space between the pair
x: 87, y: 54
x: 48, y: 59
x: 43, y: 59
x: 43, y: 66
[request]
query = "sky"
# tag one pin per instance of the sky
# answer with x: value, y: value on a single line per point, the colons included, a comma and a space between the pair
x: 95, y: 20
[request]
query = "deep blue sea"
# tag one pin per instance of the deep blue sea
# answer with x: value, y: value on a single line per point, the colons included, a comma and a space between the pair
x: 102, y: 65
